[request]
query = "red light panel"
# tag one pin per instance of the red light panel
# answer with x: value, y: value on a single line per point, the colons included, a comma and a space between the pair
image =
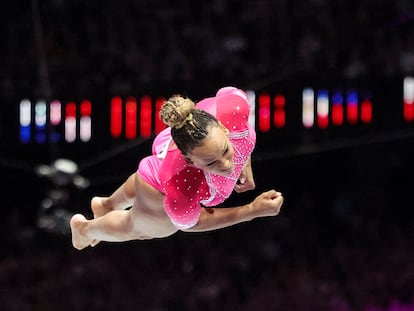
x: 131, y: 118
x: 337, y: 114
x: 366, y: 111
x: 86, y: 108
x: 264, y: 113
x: 408, y: 112
x: 116, y: 116
x: 145, y: 117
x: 279, y: 115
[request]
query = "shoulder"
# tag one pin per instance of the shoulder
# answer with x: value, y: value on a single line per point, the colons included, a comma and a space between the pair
x: 231, y: 106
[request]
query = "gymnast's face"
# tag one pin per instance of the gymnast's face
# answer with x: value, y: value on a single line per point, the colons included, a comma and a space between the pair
x: 215, y: 155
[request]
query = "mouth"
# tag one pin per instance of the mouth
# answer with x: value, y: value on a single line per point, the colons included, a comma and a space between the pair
x: 228, y: 171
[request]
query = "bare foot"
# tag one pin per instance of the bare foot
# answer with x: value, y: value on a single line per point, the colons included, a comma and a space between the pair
x: 99, y: 209
x: 77, y: 223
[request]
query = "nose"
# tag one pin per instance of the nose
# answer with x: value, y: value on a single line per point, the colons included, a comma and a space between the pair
x: 226, y: 164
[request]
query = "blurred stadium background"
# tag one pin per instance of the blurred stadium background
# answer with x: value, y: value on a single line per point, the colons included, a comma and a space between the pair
x: 331, y: 84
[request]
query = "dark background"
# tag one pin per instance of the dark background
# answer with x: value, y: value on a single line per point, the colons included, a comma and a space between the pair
x: 344, y: 237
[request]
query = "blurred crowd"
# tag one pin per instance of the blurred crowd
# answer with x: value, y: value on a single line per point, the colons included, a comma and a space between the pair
x: 344, y: 240
x: 239, y: 269
x: 93, y: 47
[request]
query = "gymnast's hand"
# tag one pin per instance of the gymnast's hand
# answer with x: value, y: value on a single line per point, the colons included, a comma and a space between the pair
x: 267, y: 204
x: 246, y: 180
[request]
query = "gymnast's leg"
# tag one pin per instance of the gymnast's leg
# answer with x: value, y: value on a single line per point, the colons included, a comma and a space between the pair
x: 115, y: 226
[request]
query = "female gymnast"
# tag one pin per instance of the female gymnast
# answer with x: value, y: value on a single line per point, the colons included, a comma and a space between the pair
x: 196, y: 162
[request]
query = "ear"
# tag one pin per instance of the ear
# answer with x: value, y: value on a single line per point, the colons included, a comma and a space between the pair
x: 225, y: 129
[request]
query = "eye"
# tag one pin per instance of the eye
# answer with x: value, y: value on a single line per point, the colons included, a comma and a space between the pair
x: 212, y: 163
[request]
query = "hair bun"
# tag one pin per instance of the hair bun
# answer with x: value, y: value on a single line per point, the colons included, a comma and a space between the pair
x: 176, y: 111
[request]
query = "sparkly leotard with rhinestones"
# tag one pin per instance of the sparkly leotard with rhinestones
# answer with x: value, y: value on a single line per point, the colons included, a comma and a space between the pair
x: 187, y: 187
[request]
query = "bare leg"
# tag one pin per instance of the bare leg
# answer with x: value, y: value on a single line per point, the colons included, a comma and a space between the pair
x: 98, y: 206
x: 146, y: 219
x: 115, y: 226
x: 121, y: 199
x: 101, y: 206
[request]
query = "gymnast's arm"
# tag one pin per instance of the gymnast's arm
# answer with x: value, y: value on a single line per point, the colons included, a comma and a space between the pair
x: 246, y: 179
x: 266, y: 204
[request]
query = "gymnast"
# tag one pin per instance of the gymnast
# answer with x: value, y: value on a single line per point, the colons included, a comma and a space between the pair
x: 197, y: 161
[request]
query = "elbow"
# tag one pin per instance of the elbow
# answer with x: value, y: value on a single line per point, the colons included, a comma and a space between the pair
x: 202, y: 222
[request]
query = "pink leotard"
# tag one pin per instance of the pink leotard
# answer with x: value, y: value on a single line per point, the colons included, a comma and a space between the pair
x: 187, y: 187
